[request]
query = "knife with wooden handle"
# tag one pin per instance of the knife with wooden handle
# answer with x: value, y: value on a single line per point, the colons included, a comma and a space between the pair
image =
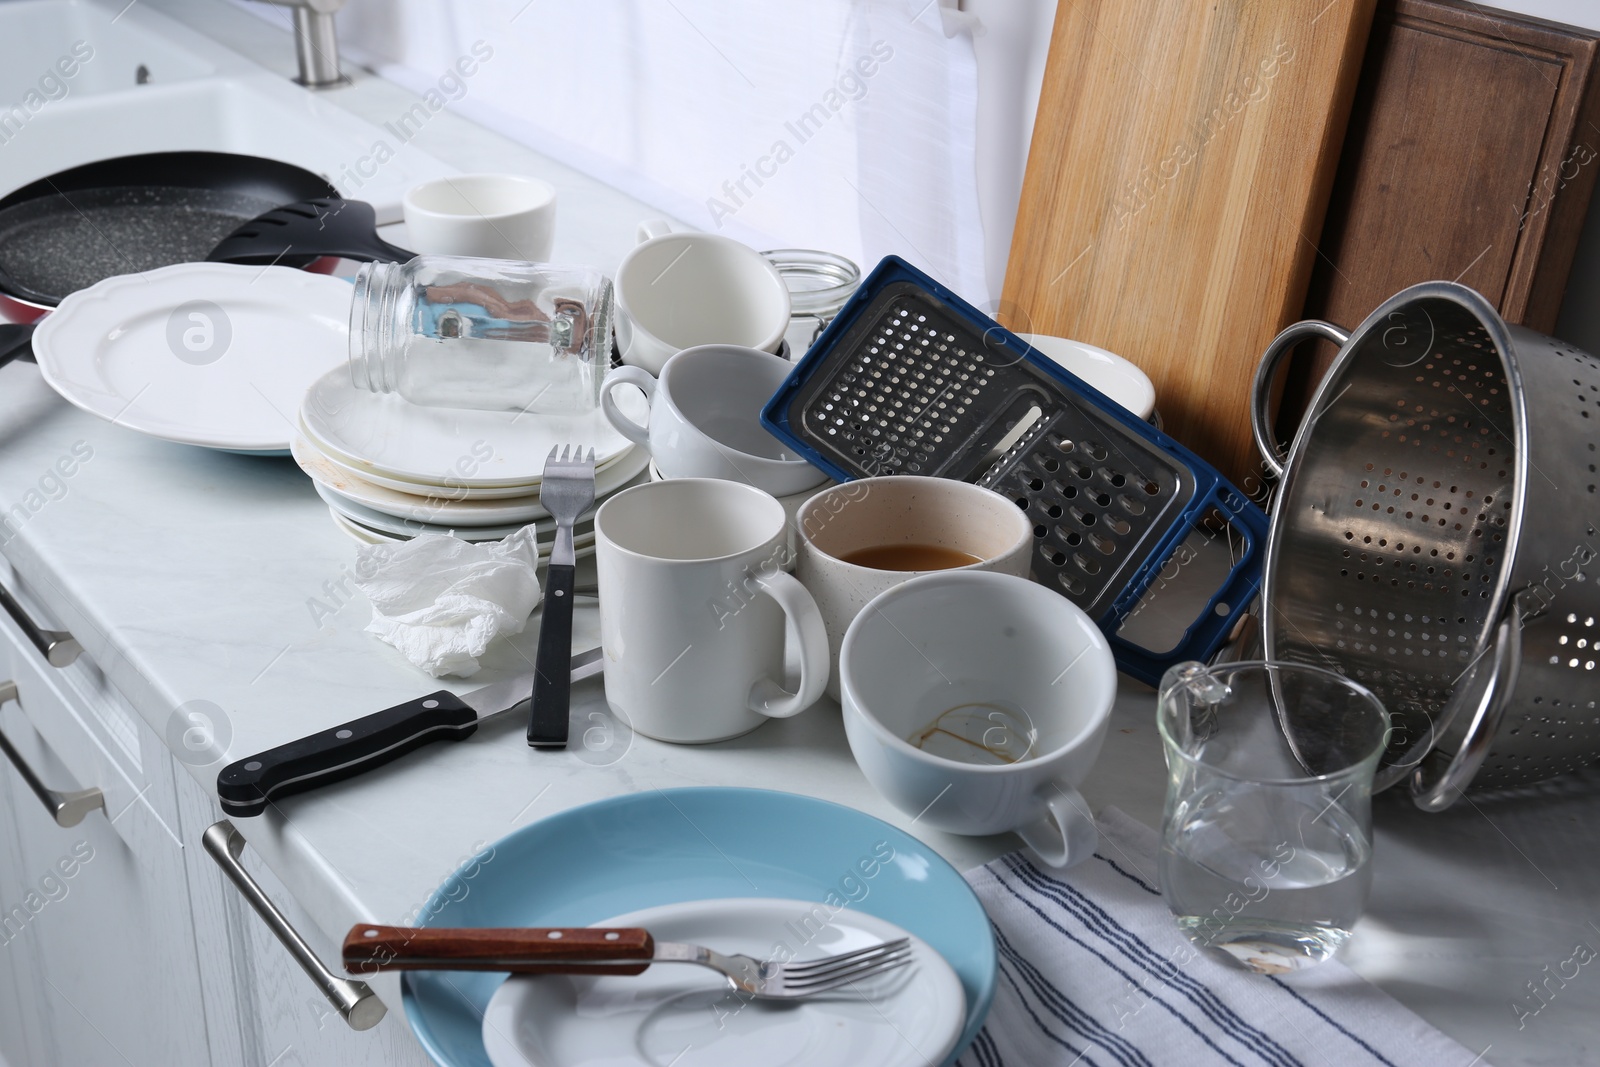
x: 245, y: 787
x: 518, y: 950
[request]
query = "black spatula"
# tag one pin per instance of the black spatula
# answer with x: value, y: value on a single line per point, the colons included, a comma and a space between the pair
x: 321, y: 227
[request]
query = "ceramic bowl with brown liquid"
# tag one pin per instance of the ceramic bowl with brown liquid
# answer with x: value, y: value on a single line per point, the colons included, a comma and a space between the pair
x: 858, y: 539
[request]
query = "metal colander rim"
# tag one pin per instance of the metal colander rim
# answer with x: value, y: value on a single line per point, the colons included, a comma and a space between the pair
x: 1505, y: 348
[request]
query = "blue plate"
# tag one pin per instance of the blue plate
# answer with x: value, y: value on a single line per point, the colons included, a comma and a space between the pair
x: 668, y: 846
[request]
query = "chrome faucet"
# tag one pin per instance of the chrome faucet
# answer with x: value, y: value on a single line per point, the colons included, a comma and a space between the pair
x: 316, y: 43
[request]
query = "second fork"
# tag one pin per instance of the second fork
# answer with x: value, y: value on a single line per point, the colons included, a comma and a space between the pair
x: 565, y: 491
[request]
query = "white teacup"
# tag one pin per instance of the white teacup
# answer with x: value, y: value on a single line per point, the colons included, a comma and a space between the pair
x: 489, y: 216
x: 899, y: 510
x: 978, y: 702
x: 705, y: 418
x: 694, y: 609
x: 680, y: 290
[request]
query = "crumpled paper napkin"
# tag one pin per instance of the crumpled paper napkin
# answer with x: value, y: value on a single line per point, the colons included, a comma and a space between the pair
x: 441, y: 600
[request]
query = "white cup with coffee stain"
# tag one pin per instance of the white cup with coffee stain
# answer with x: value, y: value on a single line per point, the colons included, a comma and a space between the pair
x: 978, y: 702
x: 858, y: 539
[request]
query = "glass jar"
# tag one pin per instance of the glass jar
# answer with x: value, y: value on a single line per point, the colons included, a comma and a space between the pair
x: 819, y: 284
x: 501, y: 335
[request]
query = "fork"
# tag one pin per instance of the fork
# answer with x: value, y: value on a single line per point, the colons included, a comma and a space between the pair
x: 596, y: 951
x: 565, y: 491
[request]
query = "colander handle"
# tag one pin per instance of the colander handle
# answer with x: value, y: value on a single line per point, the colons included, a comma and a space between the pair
x: 1261, y: 391
x: 1483, y: 707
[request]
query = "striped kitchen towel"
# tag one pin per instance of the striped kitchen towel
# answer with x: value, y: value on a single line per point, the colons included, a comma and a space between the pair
x: 1094, y: 973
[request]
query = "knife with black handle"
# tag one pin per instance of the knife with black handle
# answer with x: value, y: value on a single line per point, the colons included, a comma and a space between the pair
x: 246, y: 787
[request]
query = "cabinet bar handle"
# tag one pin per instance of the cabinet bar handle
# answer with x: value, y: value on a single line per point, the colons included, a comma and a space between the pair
x: 355, y: 1002
x: 58, y: 647
x: 66, y: 808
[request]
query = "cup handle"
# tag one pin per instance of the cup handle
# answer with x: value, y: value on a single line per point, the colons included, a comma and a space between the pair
x: 767, y: 696
x: 1065, y: 834
x: 639, y: 435
x: 651, y: 228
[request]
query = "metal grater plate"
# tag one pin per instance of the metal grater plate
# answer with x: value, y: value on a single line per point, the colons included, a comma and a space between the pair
x: 919, y: 391
x: 911, y: 379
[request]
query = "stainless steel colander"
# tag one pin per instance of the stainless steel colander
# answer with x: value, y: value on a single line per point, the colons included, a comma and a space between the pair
x: 1434, y: 533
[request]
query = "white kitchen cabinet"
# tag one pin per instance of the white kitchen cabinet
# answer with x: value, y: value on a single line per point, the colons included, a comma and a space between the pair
x: 21, y: 1034
x: 133, y: 948
x: 113, y: 956
x: 291, y: 1021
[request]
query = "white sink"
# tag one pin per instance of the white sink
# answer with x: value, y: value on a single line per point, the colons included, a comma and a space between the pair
x: 199, y: 97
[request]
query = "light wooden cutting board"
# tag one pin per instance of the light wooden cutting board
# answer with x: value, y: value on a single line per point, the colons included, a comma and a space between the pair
x: 1181, y: 162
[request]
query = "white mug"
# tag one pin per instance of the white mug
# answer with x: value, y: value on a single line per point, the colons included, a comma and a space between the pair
x: 488, y: 216
x: 899, y: 510
x: 1006, y: 674
x: 705, y: 418
x: 694, y: 609
x: 679, y: 290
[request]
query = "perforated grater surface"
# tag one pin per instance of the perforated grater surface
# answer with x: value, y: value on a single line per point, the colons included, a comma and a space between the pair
x: 909, y: 379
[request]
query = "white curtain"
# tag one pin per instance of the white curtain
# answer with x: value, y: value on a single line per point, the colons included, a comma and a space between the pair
x: 844, y: 125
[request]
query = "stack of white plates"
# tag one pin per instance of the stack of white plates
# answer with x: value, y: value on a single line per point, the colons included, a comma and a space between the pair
x: 389, y: 470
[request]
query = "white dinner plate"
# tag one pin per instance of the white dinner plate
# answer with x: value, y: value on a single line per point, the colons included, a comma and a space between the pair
x: 377, y: 520
x: 687, y: 1016
x: 387, y: 435
x: 442, y: 508
x: 582, y: 544
x: 448, y: 486
x: 208, y: 354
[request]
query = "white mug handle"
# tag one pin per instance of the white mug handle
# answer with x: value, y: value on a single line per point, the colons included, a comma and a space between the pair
x: 639, y: 435
x: 651, y: 228
x: 1065, y: 834
x: 767, y: 696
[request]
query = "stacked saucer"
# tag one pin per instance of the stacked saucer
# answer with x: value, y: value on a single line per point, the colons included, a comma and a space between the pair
x: 389, y: 469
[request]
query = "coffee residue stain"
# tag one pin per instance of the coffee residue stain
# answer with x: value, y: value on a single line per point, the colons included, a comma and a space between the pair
x: 994, y: 719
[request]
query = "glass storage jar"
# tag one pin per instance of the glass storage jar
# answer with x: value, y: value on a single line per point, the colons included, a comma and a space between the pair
x: 819, y: 284
x: 449, y: 331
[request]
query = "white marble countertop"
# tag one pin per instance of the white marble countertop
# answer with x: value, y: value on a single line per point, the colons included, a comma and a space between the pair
x: 191, y: 575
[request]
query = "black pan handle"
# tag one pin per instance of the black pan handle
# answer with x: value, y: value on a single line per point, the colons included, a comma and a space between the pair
x: 319, y: 227
x: 16, y: 342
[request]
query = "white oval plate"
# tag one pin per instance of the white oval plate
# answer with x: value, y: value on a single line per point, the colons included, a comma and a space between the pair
x: 688, y: 1016
x: 387, y: 435
x: 208, y: 354
x: 1116, y: 377
x: 441, y: 508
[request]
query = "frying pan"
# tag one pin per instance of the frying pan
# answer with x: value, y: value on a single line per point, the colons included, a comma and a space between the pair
x: 132, y: 213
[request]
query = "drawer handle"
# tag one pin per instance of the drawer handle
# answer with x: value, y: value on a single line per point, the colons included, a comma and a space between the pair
x: 68, y: 808
x: 355, y: 1002
x: 58, y: 647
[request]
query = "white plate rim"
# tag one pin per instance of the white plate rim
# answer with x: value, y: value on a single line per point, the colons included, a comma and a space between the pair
x: 500, y: 1017
x: 56, y: 356
x: 412, y: 487
x: 454, y: 514
x: 630, y: 399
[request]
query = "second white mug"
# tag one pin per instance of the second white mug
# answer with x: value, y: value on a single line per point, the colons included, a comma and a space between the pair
x: 694, y: 609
